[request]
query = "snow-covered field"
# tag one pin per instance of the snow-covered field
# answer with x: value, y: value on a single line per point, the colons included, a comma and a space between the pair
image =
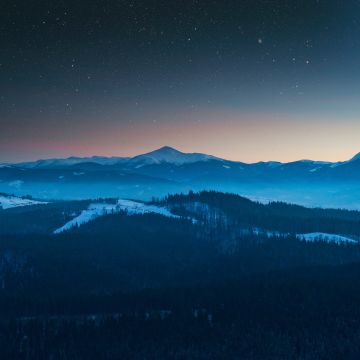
x: 96, y: 210
x: 7, y: 202
x: 318, y: 236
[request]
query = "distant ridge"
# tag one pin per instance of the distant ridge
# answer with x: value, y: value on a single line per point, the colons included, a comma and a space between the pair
x: 165, y: 154
x: 356, y: 157
x: 167, y: 170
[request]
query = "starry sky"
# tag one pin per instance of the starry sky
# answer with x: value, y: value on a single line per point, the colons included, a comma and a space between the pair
x: 245, y: 80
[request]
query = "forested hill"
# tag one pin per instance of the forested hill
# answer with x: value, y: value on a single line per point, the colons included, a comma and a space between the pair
x: 209, y: 209
x: 274, y: 216
x: 208, y: 276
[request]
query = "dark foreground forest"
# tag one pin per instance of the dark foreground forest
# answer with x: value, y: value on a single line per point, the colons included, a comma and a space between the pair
x: 227, y: 279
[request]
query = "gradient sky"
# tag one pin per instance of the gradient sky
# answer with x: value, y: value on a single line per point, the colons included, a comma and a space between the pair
x: 244, y: 80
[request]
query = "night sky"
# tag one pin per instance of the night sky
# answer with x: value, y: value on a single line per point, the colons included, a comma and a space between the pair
x: 245, y: 80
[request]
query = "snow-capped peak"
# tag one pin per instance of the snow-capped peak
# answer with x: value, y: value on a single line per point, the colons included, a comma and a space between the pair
x: 167, y: 154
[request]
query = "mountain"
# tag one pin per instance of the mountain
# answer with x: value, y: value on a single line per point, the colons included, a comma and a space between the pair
x: 356, y: 157
x: 167, y: 170
x: 169, y: 155
x: 71, y: 161
x: 165, y: 154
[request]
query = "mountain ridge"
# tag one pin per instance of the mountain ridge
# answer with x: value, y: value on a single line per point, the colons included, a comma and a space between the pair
x: 167, y: 170
x: 164, y: 154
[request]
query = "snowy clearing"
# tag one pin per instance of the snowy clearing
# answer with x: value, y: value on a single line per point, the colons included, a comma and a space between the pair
x: 318, y: 236
x: 8, y: 202
x: 101, y: 209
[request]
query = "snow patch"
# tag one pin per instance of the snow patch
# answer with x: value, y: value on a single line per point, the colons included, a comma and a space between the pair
x: 101, y: 209
x: 7, y: 202
x: 268, y: 233
x: 134, y: 207
x: 318, y: 236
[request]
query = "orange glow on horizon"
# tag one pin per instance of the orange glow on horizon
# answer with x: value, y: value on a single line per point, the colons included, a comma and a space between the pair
x: 238, y: 137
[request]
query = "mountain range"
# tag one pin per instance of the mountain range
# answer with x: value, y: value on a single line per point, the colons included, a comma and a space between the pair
x: 167, y: 170
x: 165, y: 154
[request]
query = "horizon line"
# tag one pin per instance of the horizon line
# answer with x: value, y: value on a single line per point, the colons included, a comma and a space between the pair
x: 173, y: 148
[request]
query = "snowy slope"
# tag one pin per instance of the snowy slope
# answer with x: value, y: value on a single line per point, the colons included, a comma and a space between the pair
x: 134, y: 207
x: 318, y: 236
x: 356, y: 157
x: 7, y: 202
x: 100, y: 209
